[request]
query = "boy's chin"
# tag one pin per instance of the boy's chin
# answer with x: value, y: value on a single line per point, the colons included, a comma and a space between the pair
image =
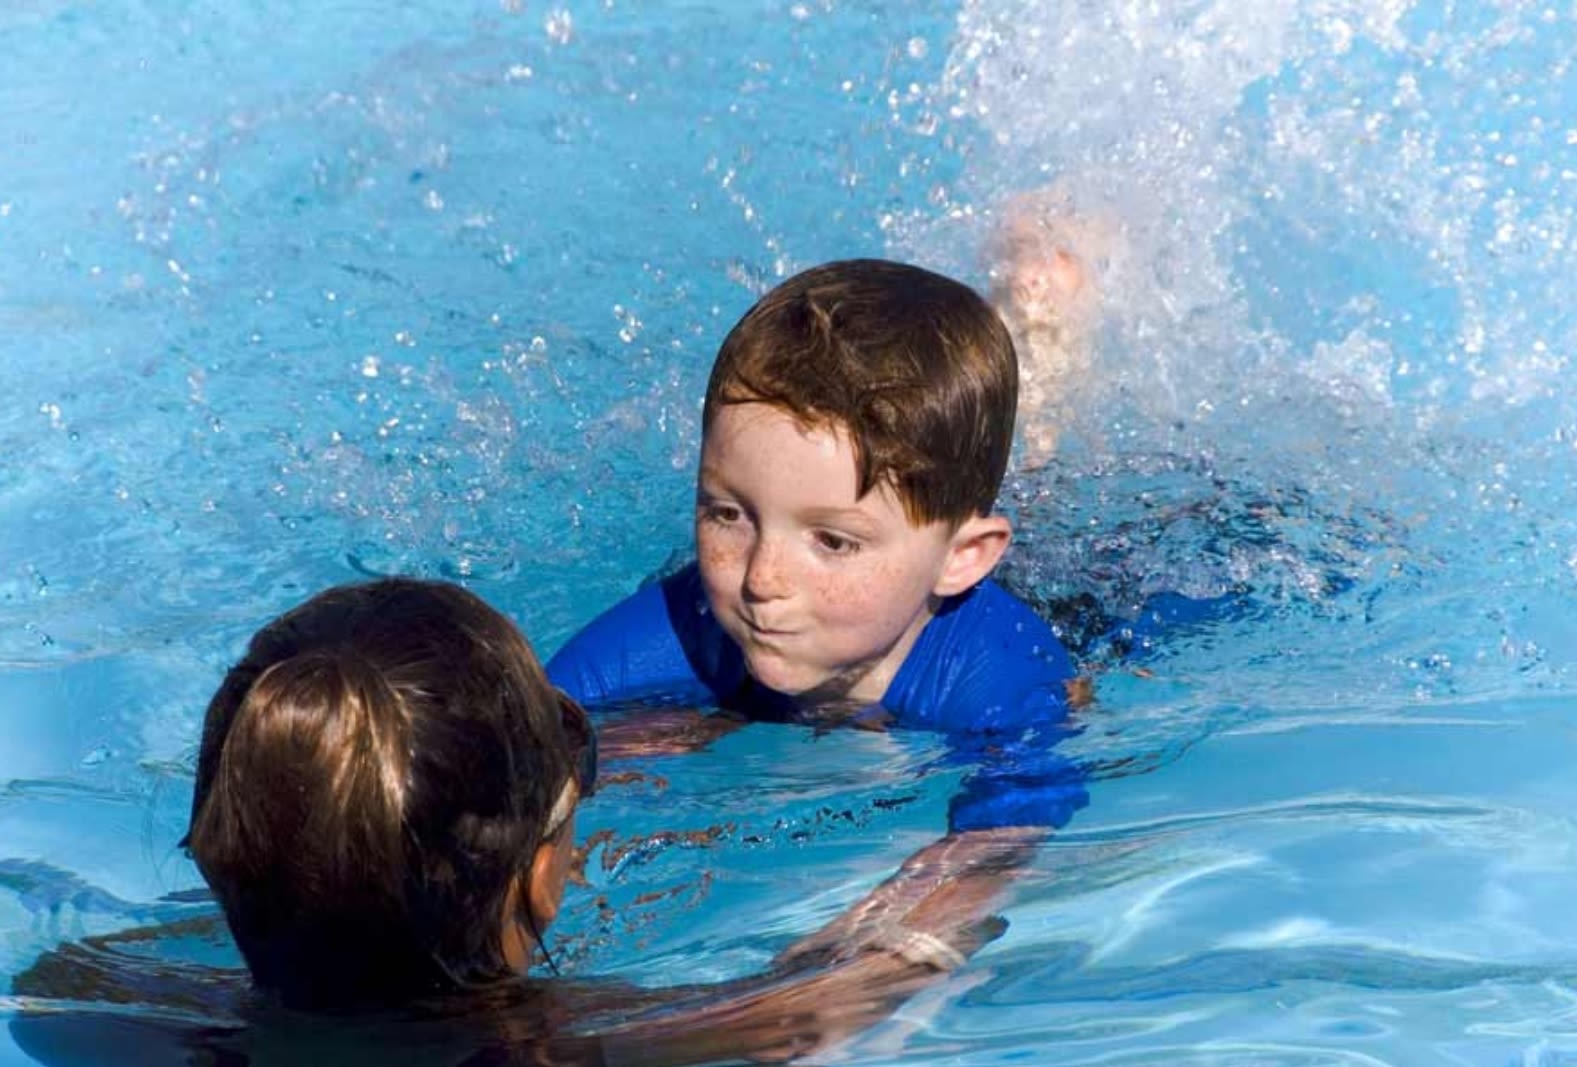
x: 804, y: 684
x: 780, y: 676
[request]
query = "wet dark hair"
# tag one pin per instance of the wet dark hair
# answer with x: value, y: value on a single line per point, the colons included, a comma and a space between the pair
x: 916, y: 367
x: 374, y: 774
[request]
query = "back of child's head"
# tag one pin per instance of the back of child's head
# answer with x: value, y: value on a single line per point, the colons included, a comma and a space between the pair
x: 915, y: 367
x: 373, y: 775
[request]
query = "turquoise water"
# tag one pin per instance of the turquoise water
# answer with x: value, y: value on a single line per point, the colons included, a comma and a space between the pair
x: 345, y: 289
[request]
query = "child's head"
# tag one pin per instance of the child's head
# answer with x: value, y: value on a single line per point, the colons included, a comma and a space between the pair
x: 384, y: 795
x: 915, y: 367
x: 856, y: 430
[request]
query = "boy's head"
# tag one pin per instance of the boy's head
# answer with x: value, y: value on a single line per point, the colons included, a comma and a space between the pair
x: 381, y: 780
x: 856, y: 430
x: 915, y: 367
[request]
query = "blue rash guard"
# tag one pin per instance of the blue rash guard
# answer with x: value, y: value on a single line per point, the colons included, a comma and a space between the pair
x: 986, y: 671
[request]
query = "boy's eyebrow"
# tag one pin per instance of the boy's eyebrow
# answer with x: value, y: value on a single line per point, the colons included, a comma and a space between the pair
x: 831, y: 513
x: 846, y: 517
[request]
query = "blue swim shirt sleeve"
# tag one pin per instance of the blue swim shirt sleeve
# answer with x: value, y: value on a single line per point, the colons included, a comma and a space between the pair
x: 989, y: 673
x: 660, y: 645
x: 1026, y: 783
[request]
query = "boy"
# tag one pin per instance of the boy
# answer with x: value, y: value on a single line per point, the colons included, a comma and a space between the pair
x: 855, y: 433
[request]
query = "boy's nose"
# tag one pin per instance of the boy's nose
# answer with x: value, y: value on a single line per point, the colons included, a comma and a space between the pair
x: 765, y: 576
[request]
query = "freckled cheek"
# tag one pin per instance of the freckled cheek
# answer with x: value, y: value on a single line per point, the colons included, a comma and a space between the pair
x: 713, y: 554
x: 868, y: 597
x: 856, y: 598
x: 720, y: 557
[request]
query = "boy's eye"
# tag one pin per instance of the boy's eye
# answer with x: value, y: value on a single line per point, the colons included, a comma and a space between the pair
x: 836, y: 543
x: 725, y: 514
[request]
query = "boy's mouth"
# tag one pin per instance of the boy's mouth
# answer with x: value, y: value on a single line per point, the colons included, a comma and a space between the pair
x: 757, y: 630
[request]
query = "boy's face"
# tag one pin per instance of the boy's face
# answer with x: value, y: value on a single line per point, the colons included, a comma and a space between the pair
x: 824, y: 591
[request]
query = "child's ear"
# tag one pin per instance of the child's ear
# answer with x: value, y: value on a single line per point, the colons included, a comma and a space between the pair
x: 977, y: 545
x: 549, y: 868
x: 537, y: 890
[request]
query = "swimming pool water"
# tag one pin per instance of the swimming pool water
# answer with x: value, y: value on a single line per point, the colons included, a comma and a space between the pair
x: 293, y: 296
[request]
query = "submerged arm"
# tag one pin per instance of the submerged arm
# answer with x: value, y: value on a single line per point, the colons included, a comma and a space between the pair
x: 960, y: 875
x: 926, y: 920
x: 846, y: 978
x: 792, y: 1015
x: 661, y: 732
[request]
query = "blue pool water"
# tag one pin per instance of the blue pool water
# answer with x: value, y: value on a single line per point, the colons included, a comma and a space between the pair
x: 340, y: 289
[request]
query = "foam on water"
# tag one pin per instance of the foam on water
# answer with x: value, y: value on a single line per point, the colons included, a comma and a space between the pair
x: 1335, y: 365
x: 1350, y: 191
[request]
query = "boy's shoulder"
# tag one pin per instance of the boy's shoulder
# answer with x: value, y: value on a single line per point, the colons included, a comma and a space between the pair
x: 659, y: 645
x: 987, y: 662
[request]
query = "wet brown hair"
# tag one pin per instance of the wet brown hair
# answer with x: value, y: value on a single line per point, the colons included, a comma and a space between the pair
x: 373, y: 775
x: 916, y: 367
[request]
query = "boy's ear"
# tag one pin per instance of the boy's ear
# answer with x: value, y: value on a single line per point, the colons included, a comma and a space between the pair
x: 977, y: 545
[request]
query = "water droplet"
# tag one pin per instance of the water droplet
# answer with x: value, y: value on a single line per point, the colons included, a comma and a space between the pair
x: 559, y: 26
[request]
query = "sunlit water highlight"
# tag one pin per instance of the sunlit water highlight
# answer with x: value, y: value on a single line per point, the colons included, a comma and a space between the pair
x: 434, y: 288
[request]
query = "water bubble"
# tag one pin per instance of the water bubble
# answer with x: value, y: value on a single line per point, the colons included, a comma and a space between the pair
x: 629, y: 323
x: 559, y: 26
